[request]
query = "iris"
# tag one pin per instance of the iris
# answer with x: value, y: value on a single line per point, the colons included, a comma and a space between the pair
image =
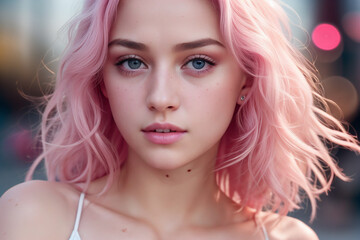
x: 198, y: 63
x: 134, y: 63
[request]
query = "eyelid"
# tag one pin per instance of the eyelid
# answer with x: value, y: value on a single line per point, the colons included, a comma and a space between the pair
x: 132, y: 56
x: 128, y: 72
x: 210, y: 63
x: 127, y: 57
x: 201, y: 56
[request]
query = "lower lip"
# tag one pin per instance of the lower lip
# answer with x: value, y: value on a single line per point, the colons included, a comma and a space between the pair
x: 163, y: 138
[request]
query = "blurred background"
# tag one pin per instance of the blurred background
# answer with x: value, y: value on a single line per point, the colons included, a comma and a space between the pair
x: 30, y: 45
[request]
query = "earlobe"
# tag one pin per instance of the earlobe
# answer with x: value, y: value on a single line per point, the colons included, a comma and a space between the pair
x: 244, y: 91
x: 241, y: 98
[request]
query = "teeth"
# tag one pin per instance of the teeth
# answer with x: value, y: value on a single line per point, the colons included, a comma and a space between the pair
x: 162, y: 130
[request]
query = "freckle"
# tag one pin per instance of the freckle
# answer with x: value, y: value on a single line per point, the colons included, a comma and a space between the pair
x: 167, y: 175
x: 189, y: 170
x: 124, y: 229
x: 16, y: 204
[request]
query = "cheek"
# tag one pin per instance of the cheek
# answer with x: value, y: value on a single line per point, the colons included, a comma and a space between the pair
x: 221, y: 106
x: 222, y: 101
x: 117, y: 96
x: 124, y: 105
x: 215, y: 107
x: 222, y: 97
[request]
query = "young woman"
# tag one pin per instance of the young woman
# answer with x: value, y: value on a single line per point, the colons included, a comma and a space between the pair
x: 178, y: 120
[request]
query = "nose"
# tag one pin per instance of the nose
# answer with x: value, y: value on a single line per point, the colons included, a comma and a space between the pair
x: 163, y: 92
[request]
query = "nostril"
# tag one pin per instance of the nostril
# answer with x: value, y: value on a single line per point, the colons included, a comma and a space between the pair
x: 162, y: 107
x: 162, y: 102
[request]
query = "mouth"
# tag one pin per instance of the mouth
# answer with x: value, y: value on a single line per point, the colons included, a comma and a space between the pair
x: 163, y: 128
x: 163, y: 133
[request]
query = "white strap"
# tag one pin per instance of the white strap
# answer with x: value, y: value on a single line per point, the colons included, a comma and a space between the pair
x: 265, y: 232
x: 78, y: 214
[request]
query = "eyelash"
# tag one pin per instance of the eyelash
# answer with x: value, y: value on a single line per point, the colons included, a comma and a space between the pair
x: 209, y: 64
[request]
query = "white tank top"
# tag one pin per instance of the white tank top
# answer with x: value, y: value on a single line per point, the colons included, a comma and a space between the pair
x: 75, y: 233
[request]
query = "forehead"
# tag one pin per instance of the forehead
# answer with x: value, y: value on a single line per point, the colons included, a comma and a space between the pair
x: 170, y: 20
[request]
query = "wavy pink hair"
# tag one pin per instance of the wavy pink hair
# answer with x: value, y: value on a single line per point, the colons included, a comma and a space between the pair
x: 275, y: 147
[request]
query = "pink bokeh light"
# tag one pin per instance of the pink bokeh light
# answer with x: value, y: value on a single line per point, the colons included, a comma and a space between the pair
x: 23, y: 144
x: 326, y: 36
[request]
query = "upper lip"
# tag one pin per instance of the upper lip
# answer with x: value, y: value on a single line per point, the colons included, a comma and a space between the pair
x: 154, y: 126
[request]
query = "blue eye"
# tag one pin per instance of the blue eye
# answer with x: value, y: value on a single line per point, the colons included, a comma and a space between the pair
x: 198, y: 63
x: 132, y: 63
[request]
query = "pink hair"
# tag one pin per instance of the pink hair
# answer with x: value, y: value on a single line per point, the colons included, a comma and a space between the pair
x: 77, y: 130
x: 275, y: 147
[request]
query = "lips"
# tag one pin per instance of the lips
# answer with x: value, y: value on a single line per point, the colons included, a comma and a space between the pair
x: 163, y: 128
x: 163, y: 133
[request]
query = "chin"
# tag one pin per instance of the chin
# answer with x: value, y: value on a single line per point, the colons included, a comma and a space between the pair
x: 166, y: 165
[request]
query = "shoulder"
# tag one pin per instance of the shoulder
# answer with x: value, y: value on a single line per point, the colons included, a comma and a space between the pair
x: 37, y: 210
x: 285, y: 227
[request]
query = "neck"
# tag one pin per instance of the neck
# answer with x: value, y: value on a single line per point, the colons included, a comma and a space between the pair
x: 171, y: 199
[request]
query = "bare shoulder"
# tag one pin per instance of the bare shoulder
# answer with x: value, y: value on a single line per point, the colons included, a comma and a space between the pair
x: 37, y: 210
x: 285, y: 227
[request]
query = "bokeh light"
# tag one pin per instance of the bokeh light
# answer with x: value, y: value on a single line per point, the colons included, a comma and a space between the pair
x: 351, y: 25
x: 23, y: 144
x: 326, y: 36
x: 344, y: 94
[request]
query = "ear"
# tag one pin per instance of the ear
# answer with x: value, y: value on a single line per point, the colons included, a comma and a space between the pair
x: 245, y: 88
x: 103, y: 89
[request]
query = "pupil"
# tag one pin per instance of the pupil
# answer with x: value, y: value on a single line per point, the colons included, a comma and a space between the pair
x: 134, y: 63
x: 198, y: 64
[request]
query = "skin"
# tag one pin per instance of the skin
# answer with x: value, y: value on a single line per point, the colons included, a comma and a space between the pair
x: 163, y: 191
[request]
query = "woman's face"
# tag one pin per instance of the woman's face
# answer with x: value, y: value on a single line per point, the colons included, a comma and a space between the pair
x: 171, y: 83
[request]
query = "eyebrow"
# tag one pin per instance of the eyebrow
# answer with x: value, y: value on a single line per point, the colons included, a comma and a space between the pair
x: 179, y: 47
